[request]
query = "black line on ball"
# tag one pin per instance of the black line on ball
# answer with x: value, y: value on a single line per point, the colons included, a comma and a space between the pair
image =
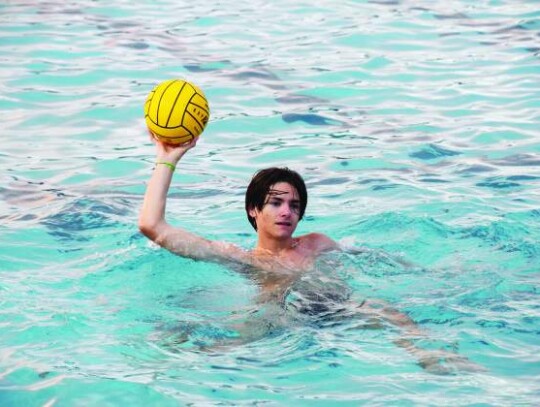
x: 176, y: 136
x: 185, y: 108
x: 170, y: 128
x: 200, y: 124
x: 201, y: 107
x: 189, y: 131
x: 160, y: 98
x: 196, y: 121
x: 175, y: 101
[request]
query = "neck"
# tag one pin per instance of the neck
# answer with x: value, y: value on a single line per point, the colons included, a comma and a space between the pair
x: 275, y: 246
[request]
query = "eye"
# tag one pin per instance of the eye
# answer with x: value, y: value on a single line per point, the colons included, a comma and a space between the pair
x: 274, y: 202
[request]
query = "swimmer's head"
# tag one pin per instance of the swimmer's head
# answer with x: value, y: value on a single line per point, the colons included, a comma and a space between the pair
x: 261, y: 183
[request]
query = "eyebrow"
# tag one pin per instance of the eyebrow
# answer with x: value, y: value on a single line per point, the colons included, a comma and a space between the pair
x: 281, y: 199
x: 277, y: 198
x: 277, y: 192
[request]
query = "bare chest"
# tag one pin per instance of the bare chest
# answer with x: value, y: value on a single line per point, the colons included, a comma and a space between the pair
x: 276, y: 274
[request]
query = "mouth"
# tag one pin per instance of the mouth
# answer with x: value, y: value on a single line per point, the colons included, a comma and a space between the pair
x: 288, y: 224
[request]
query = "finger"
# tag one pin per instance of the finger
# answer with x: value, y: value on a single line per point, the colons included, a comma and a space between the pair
x: 152, y: 136
x: 169, y: 145
x: 189, y: 144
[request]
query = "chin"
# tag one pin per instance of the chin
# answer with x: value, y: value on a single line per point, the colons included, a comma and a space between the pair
x: 284, y: 234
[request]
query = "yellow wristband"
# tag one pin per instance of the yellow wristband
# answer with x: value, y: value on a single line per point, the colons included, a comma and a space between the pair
x: 171, y: 166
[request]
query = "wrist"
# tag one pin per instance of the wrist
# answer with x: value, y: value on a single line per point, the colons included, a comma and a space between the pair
x: 165, y: 158
x: 167, y: 164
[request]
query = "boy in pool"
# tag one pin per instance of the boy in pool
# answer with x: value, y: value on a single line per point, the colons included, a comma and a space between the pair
x: 276, y: 200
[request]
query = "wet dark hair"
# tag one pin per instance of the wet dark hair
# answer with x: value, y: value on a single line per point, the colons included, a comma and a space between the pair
x: 261, y: 183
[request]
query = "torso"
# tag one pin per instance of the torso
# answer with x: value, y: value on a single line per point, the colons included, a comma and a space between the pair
x: 275, y: 274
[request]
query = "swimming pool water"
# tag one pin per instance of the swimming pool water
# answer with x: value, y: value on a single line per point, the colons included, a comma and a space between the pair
x: 415, y: 125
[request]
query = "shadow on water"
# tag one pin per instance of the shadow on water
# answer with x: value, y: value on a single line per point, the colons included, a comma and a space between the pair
x: 518, y: 160
x: 264, y: 76
x: 432, y: 152
x: 313, y: 119
x: 82, y: 215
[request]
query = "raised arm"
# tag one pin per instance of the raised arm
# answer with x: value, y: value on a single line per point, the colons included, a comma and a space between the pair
x: 152, y: 221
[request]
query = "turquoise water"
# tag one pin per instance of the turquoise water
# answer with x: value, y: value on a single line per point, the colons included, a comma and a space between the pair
x: 415, y: 125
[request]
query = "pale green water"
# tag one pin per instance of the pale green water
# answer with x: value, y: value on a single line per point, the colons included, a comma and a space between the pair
x: 415, y: 125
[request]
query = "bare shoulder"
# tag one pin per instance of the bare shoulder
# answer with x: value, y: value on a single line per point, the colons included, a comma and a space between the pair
x: 318, y: 242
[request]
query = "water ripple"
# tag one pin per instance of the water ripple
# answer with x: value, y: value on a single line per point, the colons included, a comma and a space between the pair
x: 415, y: 125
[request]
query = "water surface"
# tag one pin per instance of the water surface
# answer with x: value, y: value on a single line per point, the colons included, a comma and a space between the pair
x: 415, y: 125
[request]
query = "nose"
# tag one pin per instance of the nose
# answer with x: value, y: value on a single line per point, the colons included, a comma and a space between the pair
x: 285, y: 210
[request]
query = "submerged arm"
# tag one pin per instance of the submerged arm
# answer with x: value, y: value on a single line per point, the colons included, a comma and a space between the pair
x: 434, y: 361
x: 384, y: 311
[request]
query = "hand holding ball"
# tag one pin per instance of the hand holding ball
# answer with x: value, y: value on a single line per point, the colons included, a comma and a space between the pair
x: 176, y: 111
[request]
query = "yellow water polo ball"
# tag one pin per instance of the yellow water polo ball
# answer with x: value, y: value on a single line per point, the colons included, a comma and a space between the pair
x: 176, y: 111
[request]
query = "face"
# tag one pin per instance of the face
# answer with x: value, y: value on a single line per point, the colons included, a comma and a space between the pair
x: 281, y: 211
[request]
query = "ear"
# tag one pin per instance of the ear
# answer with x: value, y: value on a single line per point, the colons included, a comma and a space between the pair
x: 253, y: 212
